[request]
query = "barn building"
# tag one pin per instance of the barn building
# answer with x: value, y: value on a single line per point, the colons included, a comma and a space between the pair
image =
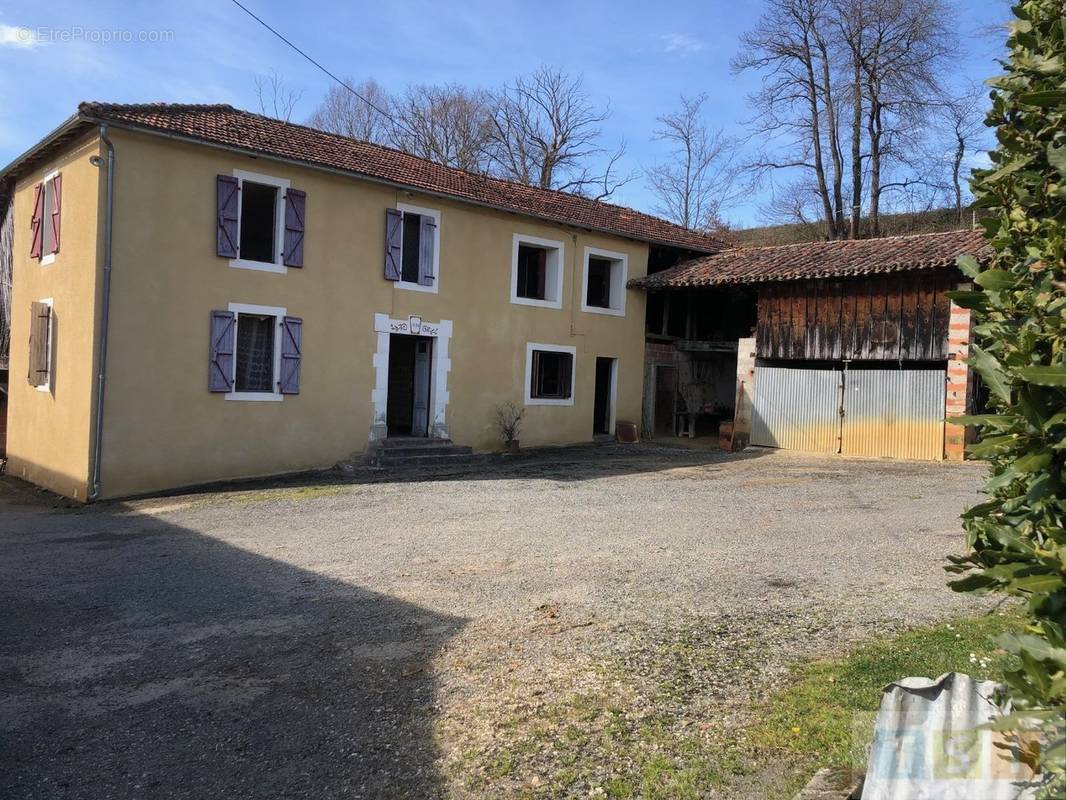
x: 849, y: 347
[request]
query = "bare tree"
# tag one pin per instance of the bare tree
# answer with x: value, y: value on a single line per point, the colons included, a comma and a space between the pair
x: 275, y: 98
x: 447, y: 124
x: 964, y: 123
x: 546, y: 132
x: 692, y: 187
x: 789, y: 46
x: 907, y: 44
x: 877, y: 63
x: 347, y: 113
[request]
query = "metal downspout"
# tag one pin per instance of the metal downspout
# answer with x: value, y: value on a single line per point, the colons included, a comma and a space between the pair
x: 105, y: 309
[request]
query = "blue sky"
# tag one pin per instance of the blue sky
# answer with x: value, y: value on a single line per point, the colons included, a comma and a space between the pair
x: 636, y: 55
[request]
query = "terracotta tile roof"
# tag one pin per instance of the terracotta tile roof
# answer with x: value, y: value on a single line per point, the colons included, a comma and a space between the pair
x: 821, y: 260
x: 228, y: 126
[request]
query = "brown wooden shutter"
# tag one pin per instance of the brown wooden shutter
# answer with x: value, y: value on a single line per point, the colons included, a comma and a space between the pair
x: 427, y: 249
x: 291, y: 351
x: 226, y: 189
x: 36, y: 229
x: 57, y: 195
x: 40, y: 326
x: 292, y: 253
x: 223, y: 334
x: 535, y: 376
x: 393, y: 244
x: 566, y: 375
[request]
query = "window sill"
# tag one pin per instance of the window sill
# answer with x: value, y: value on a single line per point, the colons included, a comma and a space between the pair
x: 529, y: 301
x: 547, y: 401
x: 613, y: 312
x: 260, y: 266
x: 268, y: 397
x: 48, y: 259
x: 416, y: 287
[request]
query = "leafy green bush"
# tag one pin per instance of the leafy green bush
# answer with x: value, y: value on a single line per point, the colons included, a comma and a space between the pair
x: 1017, y: 539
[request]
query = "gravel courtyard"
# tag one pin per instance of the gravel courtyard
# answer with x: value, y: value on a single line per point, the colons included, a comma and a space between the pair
x: 538, y: 627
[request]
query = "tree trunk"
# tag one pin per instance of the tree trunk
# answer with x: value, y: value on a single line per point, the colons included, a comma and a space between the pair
x: 833, y: 135
x: 873, y: 127
x: 956, y: 169
x: 856, y: 142
x: 816, y: 138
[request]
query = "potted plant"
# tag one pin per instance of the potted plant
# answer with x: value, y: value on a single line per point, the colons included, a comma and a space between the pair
x: 509, y: 423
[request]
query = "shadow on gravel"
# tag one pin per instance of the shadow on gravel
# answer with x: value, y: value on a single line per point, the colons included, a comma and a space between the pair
x: 569, y: 464
x: 142, y: 660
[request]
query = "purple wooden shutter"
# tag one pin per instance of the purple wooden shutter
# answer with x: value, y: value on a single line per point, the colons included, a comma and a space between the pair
x: 393, y: 244
x: 57, y: 194
x: 426, y: 250
x: 226, y: 188
x: 292, y: 253
x: 36, y: 231
x: 223, y: 334
x: 291, y: 344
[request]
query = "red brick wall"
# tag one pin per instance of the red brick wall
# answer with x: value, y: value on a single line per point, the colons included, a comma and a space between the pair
x: 960, y: 328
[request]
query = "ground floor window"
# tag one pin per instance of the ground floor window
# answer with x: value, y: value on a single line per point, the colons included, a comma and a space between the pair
x: 550, y: 374
x: 255, y: 353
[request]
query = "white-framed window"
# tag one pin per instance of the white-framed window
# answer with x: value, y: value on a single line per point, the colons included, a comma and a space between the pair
x: 411, y: 249
x: 42, y: 327
x: 260, y: 221
x: 537, y: 271
x: 603, y: 285
x: 256, y: 352
x: 550, y: 374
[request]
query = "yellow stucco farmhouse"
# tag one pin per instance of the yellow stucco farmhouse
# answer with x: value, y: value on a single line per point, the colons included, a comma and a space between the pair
x: 201, y: 293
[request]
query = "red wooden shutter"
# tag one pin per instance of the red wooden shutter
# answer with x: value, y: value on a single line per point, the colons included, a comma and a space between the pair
x: 393, y: 244
x: 57, y: 194
x: 36, y: 231
x: 223, y: 334
x: 291, y: 351
x: 427, y: 249
x: 226, y: 190
x: 292, y: 252
x: 40, y: 326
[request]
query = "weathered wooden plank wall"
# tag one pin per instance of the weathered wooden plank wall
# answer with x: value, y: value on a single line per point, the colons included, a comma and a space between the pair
x: 901, y: 317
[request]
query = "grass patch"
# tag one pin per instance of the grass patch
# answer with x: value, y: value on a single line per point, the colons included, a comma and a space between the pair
x: 827, y: 713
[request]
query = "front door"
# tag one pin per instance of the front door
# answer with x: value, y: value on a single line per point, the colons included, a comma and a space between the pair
x: 407, y: 412
x: 420, y: 416
x: 603, y: 402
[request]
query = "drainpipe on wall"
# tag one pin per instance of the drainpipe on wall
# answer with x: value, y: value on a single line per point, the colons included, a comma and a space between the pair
x: 105, y: 309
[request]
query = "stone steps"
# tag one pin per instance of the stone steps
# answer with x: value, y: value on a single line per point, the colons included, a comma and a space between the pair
x: 413, y: 453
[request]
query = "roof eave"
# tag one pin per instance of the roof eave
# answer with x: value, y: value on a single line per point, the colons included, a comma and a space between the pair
x: 66, y: 127
x: 381, y: 181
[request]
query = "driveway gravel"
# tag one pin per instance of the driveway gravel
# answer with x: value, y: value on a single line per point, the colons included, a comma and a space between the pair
x: 439, y: 635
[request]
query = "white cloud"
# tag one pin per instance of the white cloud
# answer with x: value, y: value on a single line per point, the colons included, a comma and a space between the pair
x: 680, y: 43
x: 15, y: 36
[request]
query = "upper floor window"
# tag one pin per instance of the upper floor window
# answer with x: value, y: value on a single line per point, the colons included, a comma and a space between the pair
x: 537, y: 272
x: 260, y: 222
x: 45, y: 222
x: 604, y: 282
x: 412, y: 247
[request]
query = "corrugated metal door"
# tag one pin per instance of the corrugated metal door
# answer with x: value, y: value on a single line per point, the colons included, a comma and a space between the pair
x: 894, y: 413
x: 797, y: 409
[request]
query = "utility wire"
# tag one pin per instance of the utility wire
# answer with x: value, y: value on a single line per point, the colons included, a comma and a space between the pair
x: 384, y: 113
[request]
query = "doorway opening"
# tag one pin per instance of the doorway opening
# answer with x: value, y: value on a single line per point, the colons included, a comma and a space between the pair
x: 410, y: 359
x: 603, y: 403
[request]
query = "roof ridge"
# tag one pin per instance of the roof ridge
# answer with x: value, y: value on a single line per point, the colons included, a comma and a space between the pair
x: 162, y: 106
x: 833, y: 242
